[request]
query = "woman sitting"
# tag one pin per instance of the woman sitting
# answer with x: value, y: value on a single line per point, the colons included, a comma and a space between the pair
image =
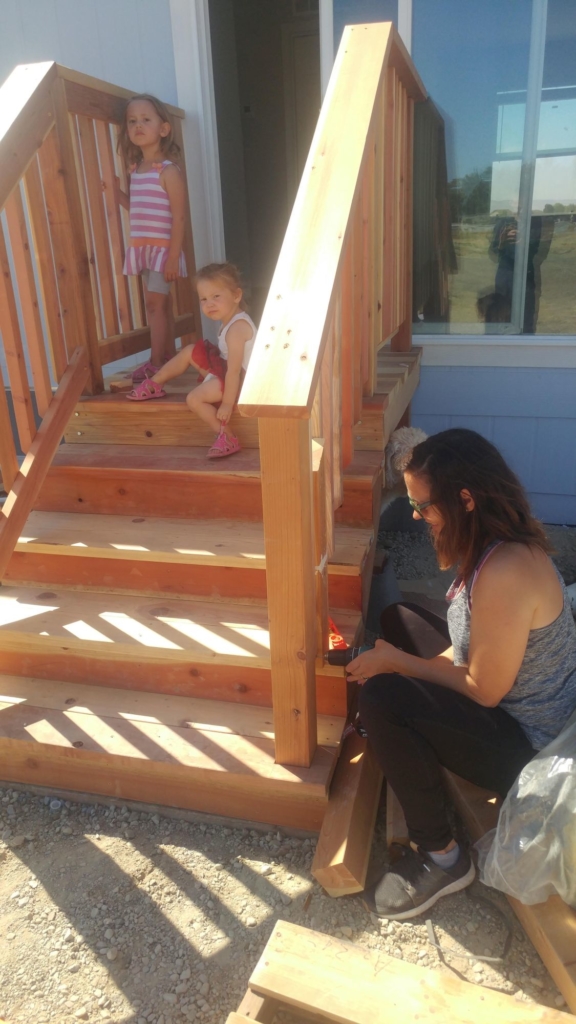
x: 502, y: 690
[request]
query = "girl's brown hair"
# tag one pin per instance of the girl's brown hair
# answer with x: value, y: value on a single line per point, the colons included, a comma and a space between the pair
x: 132, y: 154
x: 226, y: 272
x: 457, y: 460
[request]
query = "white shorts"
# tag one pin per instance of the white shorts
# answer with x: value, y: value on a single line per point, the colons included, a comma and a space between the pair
x: 155, y: 282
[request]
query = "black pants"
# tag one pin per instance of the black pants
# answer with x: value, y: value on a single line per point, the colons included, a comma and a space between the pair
x: 414, y: 727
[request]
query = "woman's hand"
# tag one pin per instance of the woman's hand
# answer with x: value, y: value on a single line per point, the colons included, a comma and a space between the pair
x: 384, y: 657
x: 171, y: 268
x: 224, y: 412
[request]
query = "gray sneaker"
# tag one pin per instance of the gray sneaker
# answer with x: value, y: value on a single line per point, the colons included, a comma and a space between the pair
x: 415, y: 883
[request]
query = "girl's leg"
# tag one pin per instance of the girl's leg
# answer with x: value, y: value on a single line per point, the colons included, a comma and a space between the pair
x: 415, y: 727
x: 203, y: 400
x: 159, y: 313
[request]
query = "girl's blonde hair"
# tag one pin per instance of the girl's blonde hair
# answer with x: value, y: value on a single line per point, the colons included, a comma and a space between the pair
x: 226, y: 272
x: 132, y: 154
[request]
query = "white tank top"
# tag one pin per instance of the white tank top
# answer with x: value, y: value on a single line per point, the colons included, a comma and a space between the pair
x: 249, y: 345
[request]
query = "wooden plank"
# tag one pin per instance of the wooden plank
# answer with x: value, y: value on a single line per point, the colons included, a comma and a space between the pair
x: 186, y: 292
x: 14, y: 354
x: 88, y: 233
x: 22, y: 257
x: 35, y: 466
x: 551, y: 926
x: 128, y: 344
x: 95, y: 204
x: 389, y: 261
x: 114, y: 216
x: 81, y: 279
x: 8, y: 460
x: 403, y: 340
x: 47, y: 272
x: 26, y: 117
x: 214, y: 772
x: 357, y: 311
x: 348, y: 347
x: 338, y: 460
x: 328, y: 433
x: 352, y: 985
x: 320, y: 548
x: 254, y: 1007
x: 133, y: 706
x: 343, y: 851
x: 287, y: 500
x: 396, y: 828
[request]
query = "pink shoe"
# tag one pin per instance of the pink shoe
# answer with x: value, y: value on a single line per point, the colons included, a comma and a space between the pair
x: 143, y: 372
x: 145, y: 390
x: 223, y: 445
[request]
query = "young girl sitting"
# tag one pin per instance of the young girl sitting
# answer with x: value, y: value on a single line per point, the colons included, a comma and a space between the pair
x: 222, y: 366
x: 157, y: 201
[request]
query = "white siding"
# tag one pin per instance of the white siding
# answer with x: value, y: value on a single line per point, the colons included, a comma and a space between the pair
x: 127, y: 42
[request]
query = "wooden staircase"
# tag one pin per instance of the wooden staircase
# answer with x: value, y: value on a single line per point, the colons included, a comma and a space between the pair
x: 163, y: 617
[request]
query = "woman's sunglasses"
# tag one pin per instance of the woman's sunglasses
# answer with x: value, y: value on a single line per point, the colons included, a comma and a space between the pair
x: 419, y: 506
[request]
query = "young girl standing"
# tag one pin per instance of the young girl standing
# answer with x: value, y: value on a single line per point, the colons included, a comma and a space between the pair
x: 222, y: 366
x: 157, y: 201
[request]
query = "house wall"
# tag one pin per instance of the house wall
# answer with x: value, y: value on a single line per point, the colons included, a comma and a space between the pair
x: 128, y: 43
x: 528, y: 412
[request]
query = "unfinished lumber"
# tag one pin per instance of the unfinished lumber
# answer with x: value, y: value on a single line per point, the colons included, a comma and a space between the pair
x: 551, y: 926
x: 254, y: 1007
x: 139, y: 757
x: 343, y: 851
x: 314, y: 972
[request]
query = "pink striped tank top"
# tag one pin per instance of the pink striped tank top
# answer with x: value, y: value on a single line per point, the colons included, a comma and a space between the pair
x: 150, y: 223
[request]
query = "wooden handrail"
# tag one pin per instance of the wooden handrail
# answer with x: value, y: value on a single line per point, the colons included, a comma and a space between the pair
x: 285, y: 367
x: 340, y: 290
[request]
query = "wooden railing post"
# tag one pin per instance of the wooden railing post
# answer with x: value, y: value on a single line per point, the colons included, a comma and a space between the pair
x: 286, y: 467
x: 320, y: 547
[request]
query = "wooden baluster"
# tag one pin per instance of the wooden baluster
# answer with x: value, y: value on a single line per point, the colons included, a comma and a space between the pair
x: 114, y: 216
x: 87, y: 222
x: 14, y: 353
x: 389, y: 208
x: 403, y: 340
x: 69, y: 214
x: 187, y: 296
x: 327, y: 433
x: 365, y: 293
x: 8, y: 460
x: 42, y: 246
x: 399, y: 220
x: 358, y: 263
x: 320, y: 547
x: 337, y: 387
x: 95, y: 205
x: 286, y: 468
x: 347, y: 331
x: 24, y: 270
x: 135, y: 285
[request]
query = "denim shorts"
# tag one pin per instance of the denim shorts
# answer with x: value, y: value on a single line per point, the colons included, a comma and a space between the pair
x: 155, y: 282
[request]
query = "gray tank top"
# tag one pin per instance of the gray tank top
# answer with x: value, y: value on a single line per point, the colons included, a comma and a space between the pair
x: 544, y: 693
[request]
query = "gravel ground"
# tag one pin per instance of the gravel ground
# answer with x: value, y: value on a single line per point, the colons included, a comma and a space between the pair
x: 413, y: 556
x: 111, y: 914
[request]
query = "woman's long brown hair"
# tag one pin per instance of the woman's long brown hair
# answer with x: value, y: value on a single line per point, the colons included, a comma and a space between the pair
x: 132, y: 154
x: 457, y: 460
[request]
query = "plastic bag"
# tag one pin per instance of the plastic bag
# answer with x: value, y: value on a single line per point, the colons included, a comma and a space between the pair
x: 531, y: 854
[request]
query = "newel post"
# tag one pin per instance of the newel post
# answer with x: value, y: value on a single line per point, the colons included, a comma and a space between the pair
x: 287, y: 497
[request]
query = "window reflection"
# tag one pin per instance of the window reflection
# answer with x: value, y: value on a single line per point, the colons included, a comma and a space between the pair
x: 495, y: 221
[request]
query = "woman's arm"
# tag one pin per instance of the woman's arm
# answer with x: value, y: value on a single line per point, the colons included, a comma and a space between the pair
x: 237, y: 336
x: 173, y: 182
x: 502, y: 614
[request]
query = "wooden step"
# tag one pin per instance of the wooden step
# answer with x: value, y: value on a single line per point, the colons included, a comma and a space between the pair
x: 223, y: 559
x: 179, y: 483
x: 200, y: 755
x: 103, y: 419
x: 334, y: 980
x: 212, y: 650
x: 398, y: 374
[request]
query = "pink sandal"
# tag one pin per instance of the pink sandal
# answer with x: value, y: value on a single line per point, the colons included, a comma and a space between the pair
x: 142, y: 372
x: 146, y: 390
x: 223, y: 445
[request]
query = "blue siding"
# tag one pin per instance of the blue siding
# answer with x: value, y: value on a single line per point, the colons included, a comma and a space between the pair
x: 530, y: 414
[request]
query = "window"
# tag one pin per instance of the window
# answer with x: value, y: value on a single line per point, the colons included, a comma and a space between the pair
x: 495, y: 167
